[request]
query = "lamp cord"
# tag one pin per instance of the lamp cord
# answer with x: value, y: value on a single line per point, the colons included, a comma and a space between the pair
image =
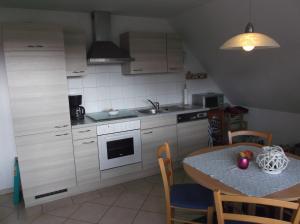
x: 250, y: 11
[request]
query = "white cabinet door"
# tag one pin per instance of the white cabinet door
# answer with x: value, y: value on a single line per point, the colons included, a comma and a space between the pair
x: 148, y: 51
x: 152, y: 139
x: 32, y: 37
x: 192, y: 136
x: 174, y: 53
x: 87, y: 161
x: 46, y: 163
x: 75, y: 49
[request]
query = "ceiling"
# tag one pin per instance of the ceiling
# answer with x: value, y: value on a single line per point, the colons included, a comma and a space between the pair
x: 266, y: 79
x: 147, y: 8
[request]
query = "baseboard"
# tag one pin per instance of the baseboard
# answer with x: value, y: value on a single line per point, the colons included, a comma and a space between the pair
x: 6, y: 191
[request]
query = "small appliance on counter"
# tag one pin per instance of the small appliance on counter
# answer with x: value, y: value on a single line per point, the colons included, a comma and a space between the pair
x: 77, y: 112
x: 208, y: 100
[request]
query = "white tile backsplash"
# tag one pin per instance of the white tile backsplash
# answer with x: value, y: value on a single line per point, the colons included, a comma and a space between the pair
x: 105, y: 87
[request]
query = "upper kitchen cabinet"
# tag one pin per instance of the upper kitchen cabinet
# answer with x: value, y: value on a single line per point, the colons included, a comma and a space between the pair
x: 37, y: 80
x: 75, y: 50
x: 174, y: 53
x: 29, y: 37
x: 148, y: 51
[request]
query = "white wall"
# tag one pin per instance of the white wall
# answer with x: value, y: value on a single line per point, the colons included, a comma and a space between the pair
x: 82, y: 21
x: 105, y: 87
x: 283, y: 125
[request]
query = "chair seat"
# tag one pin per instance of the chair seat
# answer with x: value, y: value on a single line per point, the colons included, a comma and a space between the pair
x: 192, y: 196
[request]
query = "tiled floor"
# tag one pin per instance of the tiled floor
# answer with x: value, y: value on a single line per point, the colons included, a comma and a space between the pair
x: 137, y: 202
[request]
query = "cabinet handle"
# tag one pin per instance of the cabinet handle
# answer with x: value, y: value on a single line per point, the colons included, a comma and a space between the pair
x: 88, y: 142
x: 63, y: 126
x: 76, y: 72
x: 137, y: 70
x: 62, y: 134
x: 35, y: 46
x: 84, y: 131
x: 147, y: 133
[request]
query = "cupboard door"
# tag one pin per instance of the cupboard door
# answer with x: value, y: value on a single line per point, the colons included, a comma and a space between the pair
x: 174, y: 53
x: 46, y: 162
x: 38, y: 91
x: 148, y: 51
x: 30, y: 37
x: 75, y: 50
x: 192, y: 136
x: 87, y: 161
x: 152, y: 139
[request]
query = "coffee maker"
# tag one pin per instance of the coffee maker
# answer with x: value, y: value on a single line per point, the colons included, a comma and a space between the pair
x: 77, y: 112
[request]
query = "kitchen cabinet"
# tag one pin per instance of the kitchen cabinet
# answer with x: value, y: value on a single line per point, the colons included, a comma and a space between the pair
x: 32, y: 37
x: 38, y: 90
x: 148, y: 51
x: 36, y: 73
x: 192, y: 136
x: 75, y: 50
x: 46, y: 165
x: 87, y: 161
x: 152, y: 139
x: 174, y: 53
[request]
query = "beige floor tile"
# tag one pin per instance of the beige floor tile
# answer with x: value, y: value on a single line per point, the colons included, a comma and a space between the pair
x: 71, y: 221
x: 61, y: 203
x: 149, y: 218
x: 158, y: 190
x: 5, y: 212
x: 16, y: 218
x: 154, y: 204
x: 85, y: 197
x: 131, y: 200
x: 112, y: 190
x: 105, y: 199
x: 48, y: 219
x: 156, y: 179
x: 117, y: 215
x: 138, y: 186
x: 89, y: 212
x: 6, y: 201
x: 65, y: 212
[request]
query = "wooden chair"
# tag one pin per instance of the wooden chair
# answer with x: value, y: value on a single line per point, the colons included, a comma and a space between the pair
x: 264, y: 135
x: 243, y: 218
x: 192, y: 197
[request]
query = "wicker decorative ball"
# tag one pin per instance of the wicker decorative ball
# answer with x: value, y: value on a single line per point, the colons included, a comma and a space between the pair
x: 273, y: 160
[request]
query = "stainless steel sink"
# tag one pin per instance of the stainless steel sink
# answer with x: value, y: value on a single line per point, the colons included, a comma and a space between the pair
x: 172, y: 108
x: 165, y: 109
x: 149, y: 111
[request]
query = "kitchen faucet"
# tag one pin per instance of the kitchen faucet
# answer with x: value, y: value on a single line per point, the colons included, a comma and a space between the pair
x: 155, y: 105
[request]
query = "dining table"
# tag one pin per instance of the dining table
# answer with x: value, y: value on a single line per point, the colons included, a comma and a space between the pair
x: 211, y: 180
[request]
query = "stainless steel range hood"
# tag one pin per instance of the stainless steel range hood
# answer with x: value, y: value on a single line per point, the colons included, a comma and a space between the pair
x: 103, y: 50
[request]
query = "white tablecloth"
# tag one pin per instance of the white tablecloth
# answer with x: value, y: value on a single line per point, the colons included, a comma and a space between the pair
x: 222, y: 165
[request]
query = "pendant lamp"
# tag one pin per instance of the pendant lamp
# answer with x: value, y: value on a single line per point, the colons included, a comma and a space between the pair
x: 249, y: 40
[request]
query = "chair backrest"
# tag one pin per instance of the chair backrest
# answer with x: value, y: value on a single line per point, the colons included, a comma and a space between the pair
x: 265, y: 135
x: 164, y: 152
x: 222, y: 216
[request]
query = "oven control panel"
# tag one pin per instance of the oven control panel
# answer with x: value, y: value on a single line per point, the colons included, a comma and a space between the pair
x: 118, y: 127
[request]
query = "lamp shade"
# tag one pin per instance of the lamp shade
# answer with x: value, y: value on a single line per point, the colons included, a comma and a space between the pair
x: 249, y: 41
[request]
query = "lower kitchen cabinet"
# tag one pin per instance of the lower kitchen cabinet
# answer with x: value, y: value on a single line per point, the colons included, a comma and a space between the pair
x: 192, y: 136
x: 152, y: 139
x: 87, y: 161
x: 46, y: 165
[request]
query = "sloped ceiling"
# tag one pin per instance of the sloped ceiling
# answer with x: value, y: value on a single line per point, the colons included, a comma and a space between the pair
x: 151, y: 8
x: 267, y: 79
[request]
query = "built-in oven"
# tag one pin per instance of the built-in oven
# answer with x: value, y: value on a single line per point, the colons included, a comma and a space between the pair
x: 119, y: 144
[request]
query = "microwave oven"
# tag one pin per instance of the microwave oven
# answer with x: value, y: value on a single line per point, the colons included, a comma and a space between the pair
x: 208, y: 100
